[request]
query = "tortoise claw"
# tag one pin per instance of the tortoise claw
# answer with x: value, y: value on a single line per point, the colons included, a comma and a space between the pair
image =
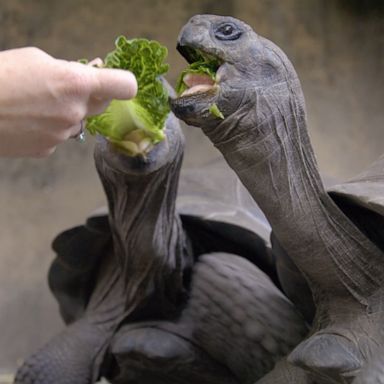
x: 328, y: 354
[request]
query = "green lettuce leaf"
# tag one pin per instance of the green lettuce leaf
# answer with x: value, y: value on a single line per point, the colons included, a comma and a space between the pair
x: 215, y: 111
x: 200, y: 67
x: 203, y: 66
x: 136, y: 125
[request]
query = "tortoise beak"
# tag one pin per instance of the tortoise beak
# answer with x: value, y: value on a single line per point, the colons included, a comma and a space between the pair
x: 189, y: 54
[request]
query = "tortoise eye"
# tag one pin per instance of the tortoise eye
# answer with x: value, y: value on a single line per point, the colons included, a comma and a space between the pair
x: 228, y: 31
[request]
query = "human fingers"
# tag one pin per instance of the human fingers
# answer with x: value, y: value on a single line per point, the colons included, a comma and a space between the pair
x: 96, y: 106
x: 97, y: 62
x: 75, y: 130
x: 113, y: 84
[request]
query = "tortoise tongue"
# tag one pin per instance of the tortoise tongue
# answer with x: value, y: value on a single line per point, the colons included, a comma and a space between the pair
x: 193, y: 79
x: 197, y: 83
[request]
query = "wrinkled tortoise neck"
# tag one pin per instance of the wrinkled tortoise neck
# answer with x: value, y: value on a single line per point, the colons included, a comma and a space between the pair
x: 147, y: 235
x: 280, y: 171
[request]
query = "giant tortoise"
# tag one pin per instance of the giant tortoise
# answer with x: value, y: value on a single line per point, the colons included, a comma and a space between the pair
x: 335, y: 239
x: 155, y: 294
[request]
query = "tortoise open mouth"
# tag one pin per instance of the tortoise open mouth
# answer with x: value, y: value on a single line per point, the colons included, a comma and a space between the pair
x: 201, y: 76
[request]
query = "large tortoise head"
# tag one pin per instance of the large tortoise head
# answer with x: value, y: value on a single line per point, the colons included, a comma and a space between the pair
x: 253, y: 74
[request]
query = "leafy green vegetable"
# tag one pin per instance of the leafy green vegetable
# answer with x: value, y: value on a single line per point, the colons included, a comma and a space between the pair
x: 136, y: 125
x: 214, y: 109
x: 201, y: 67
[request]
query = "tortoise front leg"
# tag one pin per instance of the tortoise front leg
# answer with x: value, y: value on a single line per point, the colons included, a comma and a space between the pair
x: 145, y: 354
x: 68, y: 358
x: 235, y: 327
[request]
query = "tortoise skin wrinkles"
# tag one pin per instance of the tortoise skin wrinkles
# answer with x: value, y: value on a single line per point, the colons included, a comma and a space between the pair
x: 335, y: 244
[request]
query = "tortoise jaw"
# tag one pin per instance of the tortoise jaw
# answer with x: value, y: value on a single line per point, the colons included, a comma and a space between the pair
x: 193, y: 105
x: 189, y: 54
x: 193, y: 108
x: 192, y: 54
x: 117, y: 161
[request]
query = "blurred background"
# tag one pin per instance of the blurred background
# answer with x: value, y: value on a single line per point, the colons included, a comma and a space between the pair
x: 337, y: 47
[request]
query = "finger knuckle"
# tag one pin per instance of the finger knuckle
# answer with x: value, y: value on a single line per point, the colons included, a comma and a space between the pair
x: 58, y: 137
x: 69, y: 116
x: 75, y: 114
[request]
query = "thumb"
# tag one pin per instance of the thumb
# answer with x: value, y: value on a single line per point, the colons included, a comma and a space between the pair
x: 113, y: 84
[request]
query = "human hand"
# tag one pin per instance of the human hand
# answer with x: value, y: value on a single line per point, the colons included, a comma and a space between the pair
x: 43, y: 99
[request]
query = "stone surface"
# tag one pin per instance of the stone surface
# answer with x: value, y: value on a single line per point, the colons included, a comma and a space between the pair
x: 336, y: 46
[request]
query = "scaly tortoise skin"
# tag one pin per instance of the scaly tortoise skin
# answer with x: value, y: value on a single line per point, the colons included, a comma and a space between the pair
x: 335, y: 240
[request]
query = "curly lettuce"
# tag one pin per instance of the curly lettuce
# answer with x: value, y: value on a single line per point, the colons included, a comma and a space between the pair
x: 203, y: 66
x: 136, y: 125
x: 200, y: 67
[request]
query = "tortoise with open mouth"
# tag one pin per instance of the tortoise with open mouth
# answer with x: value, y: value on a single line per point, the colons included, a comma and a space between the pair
x: 335, y: 238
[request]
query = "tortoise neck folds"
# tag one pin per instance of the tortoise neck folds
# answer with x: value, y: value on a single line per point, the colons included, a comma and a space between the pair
x: 147, y: 235
x: 276, y: 163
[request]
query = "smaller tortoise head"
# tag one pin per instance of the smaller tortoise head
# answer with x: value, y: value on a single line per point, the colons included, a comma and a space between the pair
x: 254, y: 78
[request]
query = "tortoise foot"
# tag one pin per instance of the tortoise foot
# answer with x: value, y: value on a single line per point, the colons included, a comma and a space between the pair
x: 339, y: 349
x: 328, y: 354
x: 151, y: 355
x: 69, y: 358
x: 40, y: 369
x: 48, y: 367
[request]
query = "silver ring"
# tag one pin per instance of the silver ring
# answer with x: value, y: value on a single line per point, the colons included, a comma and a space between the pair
x: 80, y: 137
